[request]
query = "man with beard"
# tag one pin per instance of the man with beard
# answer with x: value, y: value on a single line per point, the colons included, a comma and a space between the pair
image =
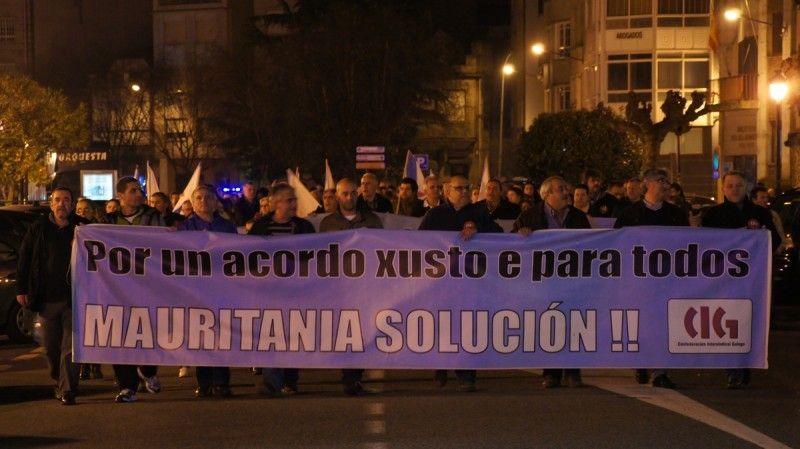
x: 407, y: 202
x: 43, y: 285
x: 348, y: 216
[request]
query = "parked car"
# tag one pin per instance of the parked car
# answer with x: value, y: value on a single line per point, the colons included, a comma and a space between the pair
x: 15, y: 321
x: 785, y: 265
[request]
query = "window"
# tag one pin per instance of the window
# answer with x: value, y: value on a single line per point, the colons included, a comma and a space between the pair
x: 683, y: 73
x: 563, y: 37
x: 683, y: 13
x: 630, y: 73
x: 564, y: 98
x: 455, y: 107
x: 6, y: 29
x: 623, y: 14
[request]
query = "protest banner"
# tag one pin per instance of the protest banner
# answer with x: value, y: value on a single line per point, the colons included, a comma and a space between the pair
x: 634, y: 297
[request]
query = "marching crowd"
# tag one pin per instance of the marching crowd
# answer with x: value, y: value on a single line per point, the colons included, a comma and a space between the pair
x: 43, y: 275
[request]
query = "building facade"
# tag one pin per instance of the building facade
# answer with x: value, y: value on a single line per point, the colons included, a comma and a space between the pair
x: 597, y: 51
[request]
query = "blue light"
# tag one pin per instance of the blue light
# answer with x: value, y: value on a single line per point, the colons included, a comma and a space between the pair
x: 226, y: 190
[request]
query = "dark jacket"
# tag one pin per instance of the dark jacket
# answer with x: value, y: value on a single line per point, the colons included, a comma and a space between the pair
x: 535, y: 219
x: 337, y: 222
x: 149, y: 217
x: 605, y: 207
x: 750, y: 216
x: 506, y: 210
x: 172, y: 218
x: 31, y: 264
x: 413, y: 208
x: 638, y: 214
x: 244, y: 211
x: 299, y: 225
x: 379, y: 204
x: 218, y: 224
x: 447, y: 218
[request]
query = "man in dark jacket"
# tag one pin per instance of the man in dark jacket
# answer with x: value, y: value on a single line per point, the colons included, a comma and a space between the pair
x: 370, y: 199
x: 499, y: 208
x: 348, y: 216
x: 554, y: 212
x: 407, y: 202
x: 133, y: 213
x: 653, y: 210
x: 459, y: 214
x: 283, y: 220
x: 247, y: 205
x: 43, y: 285
x: 738, y: 212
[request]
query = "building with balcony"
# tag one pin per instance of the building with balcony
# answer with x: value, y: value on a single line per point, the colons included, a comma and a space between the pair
x: 597, y: 51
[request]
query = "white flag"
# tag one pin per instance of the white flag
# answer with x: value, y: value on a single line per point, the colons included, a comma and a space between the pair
x: 329, y: 182
x: 306, y: 203
x: 194, y: 182
x: 151, y: 183
x: 484, y: 179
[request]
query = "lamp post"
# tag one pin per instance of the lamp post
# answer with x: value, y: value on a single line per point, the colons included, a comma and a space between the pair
x: 777, y: 91
x: 508, y: 69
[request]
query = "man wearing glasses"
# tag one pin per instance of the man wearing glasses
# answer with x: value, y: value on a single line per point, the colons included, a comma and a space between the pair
x: 653, y: 210
x: 459, y: 214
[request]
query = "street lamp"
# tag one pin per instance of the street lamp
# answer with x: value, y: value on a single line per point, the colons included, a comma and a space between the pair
x: 538, y: 49
x: 135, y: 87
x: 778, y: 89
x: 508, y: 69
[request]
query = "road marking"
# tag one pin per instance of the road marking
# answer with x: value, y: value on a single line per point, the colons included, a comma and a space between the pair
x: 675, y: 402
x: 378, y: 445
x: 22, y: 357
x: 376, y: 409
x: 375, y: 427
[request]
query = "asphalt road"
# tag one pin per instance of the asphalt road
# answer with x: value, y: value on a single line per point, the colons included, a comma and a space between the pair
x: 511, y: 410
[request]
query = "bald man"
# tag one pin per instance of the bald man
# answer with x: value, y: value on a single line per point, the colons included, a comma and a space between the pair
x: 370, y: 199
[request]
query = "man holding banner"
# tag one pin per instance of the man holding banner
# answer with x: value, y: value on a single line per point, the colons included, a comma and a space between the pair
x: 459, y: 214
x: 653, y: 210
x: 210, y: 380
x: 739, y: 212
x: 348, y: 216
x: 133, y: 212
x: 282, y: 220
x: 554, y: 212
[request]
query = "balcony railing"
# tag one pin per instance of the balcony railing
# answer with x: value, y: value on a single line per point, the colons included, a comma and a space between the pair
x: 737, y: 88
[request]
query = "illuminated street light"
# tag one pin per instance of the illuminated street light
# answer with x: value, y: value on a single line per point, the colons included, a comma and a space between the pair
x: 135, y: 87
x: 537, y: 49
x: 778, y: 89
x: 508, y: 69
x: 732, y: 14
